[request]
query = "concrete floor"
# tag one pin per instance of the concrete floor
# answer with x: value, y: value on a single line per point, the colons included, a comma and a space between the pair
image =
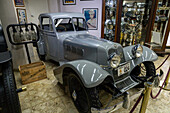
x: 46, y: 96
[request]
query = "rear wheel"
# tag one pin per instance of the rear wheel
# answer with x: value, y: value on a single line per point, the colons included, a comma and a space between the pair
x: 83, y: 98
x: 11, y: 96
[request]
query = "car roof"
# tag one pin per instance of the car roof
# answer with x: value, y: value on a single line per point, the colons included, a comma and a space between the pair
x: 62, y: 15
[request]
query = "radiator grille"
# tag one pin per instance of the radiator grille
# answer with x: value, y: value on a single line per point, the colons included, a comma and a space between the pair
x: 125, y: 84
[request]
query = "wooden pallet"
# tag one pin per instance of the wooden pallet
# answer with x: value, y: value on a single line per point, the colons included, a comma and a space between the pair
x: 32, y: 72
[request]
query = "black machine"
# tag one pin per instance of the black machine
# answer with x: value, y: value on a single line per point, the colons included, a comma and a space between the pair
x: 9, y: 101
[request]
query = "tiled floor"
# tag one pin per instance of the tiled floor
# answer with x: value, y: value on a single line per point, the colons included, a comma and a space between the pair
x: 45, y: 96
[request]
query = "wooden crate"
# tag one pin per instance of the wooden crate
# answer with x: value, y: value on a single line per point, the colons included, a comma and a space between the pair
x: 32, y: 72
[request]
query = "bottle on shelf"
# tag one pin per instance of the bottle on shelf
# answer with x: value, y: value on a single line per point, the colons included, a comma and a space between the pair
x: 15, y: 35
x: 21, y: 35
x: 33, y: 33
x: 27, y: 33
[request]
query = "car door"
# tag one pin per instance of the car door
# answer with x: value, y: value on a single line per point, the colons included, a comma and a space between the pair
x: 49, y: 37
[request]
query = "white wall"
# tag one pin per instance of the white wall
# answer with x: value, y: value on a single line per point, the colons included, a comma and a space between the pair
x: 7, y: 13
x: 8, y: 16
x: 85, y: 4
x: 34, y: 8
x: 54, y: 6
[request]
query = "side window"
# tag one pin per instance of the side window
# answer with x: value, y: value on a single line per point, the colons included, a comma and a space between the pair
x: 75, y: 21
x: 46, y: 24
x: 63, y: 25
x: 79, y: 24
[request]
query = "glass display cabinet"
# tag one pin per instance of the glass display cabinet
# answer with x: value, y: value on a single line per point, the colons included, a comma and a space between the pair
x: 109, y: 19
x: 160, y: 29
x: 128, y: 22
x: 135, y: 21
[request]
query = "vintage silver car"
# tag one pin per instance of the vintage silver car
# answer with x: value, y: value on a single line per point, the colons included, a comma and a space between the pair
x: 89, y: 64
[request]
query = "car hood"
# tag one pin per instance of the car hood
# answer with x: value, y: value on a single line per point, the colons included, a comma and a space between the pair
x: 90, y: 47
x: 92, y: 41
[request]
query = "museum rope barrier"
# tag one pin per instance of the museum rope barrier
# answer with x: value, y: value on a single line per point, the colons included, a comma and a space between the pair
x: 163, y: 84
x: 148, y: 90
x: 137, y: 102
x: 163, y: 62
x: 165, y: 81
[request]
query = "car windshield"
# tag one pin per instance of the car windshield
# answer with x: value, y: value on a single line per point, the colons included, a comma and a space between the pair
x: 80, y: 24
x: 63, y: 25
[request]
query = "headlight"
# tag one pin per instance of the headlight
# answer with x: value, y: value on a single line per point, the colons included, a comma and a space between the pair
x: 137, y: 51
x: 114, y: 60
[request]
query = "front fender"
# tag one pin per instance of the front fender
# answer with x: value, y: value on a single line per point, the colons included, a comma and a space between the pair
x: 90, y: 73
x: 148, y: 55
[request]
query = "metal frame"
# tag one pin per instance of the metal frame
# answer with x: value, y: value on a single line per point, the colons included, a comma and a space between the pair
x: 10, y: 38
x: 25, y: 43
x: 68, y: 4
x: 18, y: 14
x: 96, y: 17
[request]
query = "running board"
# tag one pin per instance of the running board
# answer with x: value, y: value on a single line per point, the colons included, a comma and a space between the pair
x: 125, y: 84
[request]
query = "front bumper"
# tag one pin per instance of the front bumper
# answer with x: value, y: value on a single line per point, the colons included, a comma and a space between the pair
x: 116, y: 106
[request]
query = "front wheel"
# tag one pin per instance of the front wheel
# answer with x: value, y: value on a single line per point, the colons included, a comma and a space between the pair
x: 144, y: 71
x: 83, y: 98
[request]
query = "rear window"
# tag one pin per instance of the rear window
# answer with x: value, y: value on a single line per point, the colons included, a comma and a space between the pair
x: 46, y: 23
x: 80, y: 24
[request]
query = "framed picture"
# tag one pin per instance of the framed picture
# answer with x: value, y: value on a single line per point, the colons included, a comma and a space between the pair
x: 19, y: 3
x: 22, y: 16
x: 91, y: 15
x: 69, y: 2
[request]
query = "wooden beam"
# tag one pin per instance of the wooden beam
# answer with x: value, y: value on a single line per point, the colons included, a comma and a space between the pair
x: 151, y: 20
x: 166, y: 35
x: 103, y: 18
x: 118, y: 20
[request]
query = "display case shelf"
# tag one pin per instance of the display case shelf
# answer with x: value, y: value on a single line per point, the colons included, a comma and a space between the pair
x: 161, y: 26
x: 131, y: 23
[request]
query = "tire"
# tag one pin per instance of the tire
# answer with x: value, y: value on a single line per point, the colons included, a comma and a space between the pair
x: 42, y: 57
x: 11, y: 96
x: 148, y: 68
x: 83, y: 98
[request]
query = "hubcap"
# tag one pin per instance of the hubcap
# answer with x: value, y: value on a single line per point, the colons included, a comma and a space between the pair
x: 74, y: 95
